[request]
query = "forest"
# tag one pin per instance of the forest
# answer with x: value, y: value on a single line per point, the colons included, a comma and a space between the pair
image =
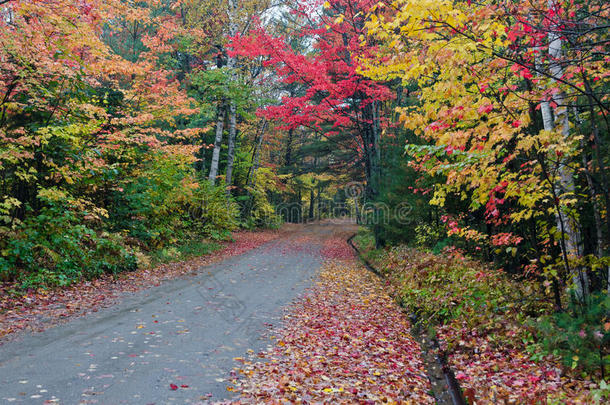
x: 469, y: 139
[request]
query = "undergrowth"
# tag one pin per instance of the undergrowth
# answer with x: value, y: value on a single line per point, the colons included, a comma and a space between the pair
x: 183, y: 251
x: 480, y: 310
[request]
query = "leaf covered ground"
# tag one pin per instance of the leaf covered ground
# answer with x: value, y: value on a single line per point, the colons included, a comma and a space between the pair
x: 345, y: 341
x: 480, y: 324
x: 40, y: 309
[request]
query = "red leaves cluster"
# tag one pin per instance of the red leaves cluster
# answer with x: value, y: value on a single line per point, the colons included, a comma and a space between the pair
x: 494, y: 375
x: 37, y: 310
x: 330, y: 74
x: 505, y: 239
x: 337, y: 248
x: 344, y: 342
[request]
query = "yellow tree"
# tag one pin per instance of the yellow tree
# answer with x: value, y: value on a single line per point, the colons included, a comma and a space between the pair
x: 494, y: 107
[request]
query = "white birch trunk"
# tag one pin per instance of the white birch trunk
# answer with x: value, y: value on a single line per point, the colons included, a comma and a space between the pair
x: 564, y: 185
x: 231, y: 62
x: 217, y: 144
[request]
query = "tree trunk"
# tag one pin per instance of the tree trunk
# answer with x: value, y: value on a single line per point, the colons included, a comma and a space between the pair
x: 231, y: 62
x: 597, y: 145
x: 288, y: 158
x: 299, y: 218
x: 370, y: 140
x: 231, y: 150
x: 312, y: 198
x: 217, y: 143
x: 319, y: 202
x: 564, y: 185
x: 251, y: 177
x: 592, y: 189
x: 256, y: 156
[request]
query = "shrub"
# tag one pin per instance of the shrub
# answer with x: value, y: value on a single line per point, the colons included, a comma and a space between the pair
x: 212, y: 212
x: 57, y: 248
x: 443, y: 288
x: 474, y: 303
x: 428, y: 235
x: 580, y: 336
x: 152, y: 205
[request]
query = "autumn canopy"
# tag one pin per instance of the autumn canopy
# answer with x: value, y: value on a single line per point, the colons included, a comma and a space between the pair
x: 471, y: 129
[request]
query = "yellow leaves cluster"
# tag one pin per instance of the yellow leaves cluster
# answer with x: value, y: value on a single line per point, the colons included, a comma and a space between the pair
x: 468, y: 105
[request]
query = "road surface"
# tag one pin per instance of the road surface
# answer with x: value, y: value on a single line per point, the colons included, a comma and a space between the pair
x: 184, y: 333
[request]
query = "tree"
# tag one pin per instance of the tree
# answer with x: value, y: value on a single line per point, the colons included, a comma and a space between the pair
x: 335, y: 93
x: 496, y: 84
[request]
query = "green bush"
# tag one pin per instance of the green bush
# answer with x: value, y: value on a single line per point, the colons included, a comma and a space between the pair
x: 165, y: 203
x: 443, y: 288
x: 256, y: 210
x: 152, y: 206
x: 212, y: 212
x: 154, y: 209
x: 578, y: 335
x: 429, y: 235
x: 56, y: 248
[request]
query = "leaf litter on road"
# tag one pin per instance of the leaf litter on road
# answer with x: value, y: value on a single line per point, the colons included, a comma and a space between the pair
x: 345, y: 341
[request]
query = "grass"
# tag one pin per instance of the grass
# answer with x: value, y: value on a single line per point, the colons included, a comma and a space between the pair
x: 365, y: 242
x: 184, y: 251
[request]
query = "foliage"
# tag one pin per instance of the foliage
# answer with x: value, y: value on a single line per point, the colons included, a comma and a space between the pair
x: 580, y: 337
x: 500, y: 337
x: 213, y: 213
x: 326, y: 94
x: 152, y: 203
x: 509, y: 119
x: 428, y: 236
x: 55, y: 248
x: 105, y: 107
x: 261, y: 212
x: 443, y: 288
